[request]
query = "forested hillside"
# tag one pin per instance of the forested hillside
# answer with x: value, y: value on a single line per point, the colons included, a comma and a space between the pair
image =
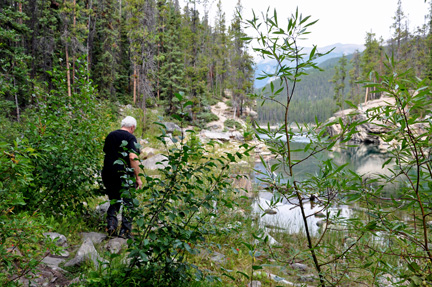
x: 321, y: 94
x: 133, y: 51
x: 314, y: 97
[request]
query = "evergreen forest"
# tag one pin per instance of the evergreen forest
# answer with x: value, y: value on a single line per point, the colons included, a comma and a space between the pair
x: 133, y: 52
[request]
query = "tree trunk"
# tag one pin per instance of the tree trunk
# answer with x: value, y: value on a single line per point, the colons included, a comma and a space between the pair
x: 134, y: 84
x: 89, y: 6
x: 73, y: 57
x: 68, y: 72
x: 16, y: 101
x: 366, y: 95
x: 20, y: 10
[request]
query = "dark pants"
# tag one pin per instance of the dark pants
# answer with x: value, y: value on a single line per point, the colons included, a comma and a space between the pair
x: 114, y: 187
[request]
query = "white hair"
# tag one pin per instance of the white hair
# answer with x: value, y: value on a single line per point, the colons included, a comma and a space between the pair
x: 129, y: 122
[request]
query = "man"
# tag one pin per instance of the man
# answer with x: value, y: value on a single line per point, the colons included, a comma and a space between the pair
x: 113, y: 173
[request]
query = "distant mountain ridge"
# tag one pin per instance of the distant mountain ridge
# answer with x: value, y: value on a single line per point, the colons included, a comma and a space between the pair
x: 267, y: 65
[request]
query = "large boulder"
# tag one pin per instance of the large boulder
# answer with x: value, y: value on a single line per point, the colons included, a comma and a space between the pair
x: 95, y: 237
x: 367, y: 132
x: 212, y: 135
x: 171, y: 127
x: 59, y: 239
x: 155, y: 162
x: 87, y: 251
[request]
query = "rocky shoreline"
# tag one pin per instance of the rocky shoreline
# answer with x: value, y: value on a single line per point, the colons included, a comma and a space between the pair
x: 369, y: 132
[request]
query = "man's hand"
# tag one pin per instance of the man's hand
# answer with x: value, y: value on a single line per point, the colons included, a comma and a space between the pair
x: 134, y: 161
x: 139, y: 182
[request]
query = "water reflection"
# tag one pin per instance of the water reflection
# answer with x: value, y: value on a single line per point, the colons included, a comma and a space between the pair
x: 366, y: 160
x: 288, y: 216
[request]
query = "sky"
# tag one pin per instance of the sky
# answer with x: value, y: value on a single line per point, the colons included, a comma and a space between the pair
x: 340, y: 21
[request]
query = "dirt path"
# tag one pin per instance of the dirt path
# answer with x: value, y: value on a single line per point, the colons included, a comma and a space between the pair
x: 220, y: 109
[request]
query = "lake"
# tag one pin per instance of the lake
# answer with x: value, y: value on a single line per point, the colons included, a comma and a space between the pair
x: 363, y: 159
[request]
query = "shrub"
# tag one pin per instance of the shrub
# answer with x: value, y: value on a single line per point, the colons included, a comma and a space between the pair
x: 22, y: 244
x: 207, y: 117
x: 230, y: 123
x: 67, y: 135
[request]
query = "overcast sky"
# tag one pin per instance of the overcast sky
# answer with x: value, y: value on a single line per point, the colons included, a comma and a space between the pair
x: 340, y: 21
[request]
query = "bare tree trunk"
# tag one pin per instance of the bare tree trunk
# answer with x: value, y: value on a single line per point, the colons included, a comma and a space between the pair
x: 20, y: 10
x: 366, y: 95
x: 134, y: 84
x: 73, y: 57
x: 16, y: 101
x: 90, y: 5
x: 68, y: 72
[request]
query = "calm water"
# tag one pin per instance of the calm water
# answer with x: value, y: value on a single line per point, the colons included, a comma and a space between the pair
x: 364, y: 160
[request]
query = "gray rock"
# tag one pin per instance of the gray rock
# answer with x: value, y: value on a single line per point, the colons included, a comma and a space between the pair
x: 169, y: 141
x: 367, y: 132
x: 102, y: 209
x: 115, y: 245
x: 270, y: 211
x: 59, y: 239
x: 244, y: 184
x: 300, y: 267
x: 14, y: 250
x: 236, y: 135
x: 52, y: 261
x: 62, y: 254
x: 148, y: 152
x: 155, y: 162
x: 216, y: 135
x: 218, y: 258
x: 87, y: 251
x: 255, y: 284
x: 95, y: 237
x: 215, y: 127
x: 171, y: 127
x: 307, y: 278
x: 387, y: 280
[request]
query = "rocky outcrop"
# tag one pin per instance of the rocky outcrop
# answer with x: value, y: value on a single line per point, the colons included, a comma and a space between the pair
x: 367, y: 132
x: 206, y: 135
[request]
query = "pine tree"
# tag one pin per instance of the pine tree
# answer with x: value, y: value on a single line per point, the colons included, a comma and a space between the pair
x: 14, y: 61
x: 356, y: 91
x: 105, y: 53
x: 220, y: 51
x: 171, y: 66
x: 241, y: 73
x: 339, y: 82
x: 371, y: 60
x: 141, y: 29
x: 400, y: 33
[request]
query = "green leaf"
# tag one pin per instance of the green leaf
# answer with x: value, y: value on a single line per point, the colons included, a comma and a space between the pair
x: 244, y: 274
x: 257, y: 267
x: 188, y: 103
x: 179, y: 96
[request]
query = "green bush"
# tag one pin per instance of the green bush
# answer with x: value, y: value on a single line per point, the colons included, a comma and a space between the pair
x: 230, y: 123
x: 22, y: 244
x: 207, y: 117
x: 66, y: 134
